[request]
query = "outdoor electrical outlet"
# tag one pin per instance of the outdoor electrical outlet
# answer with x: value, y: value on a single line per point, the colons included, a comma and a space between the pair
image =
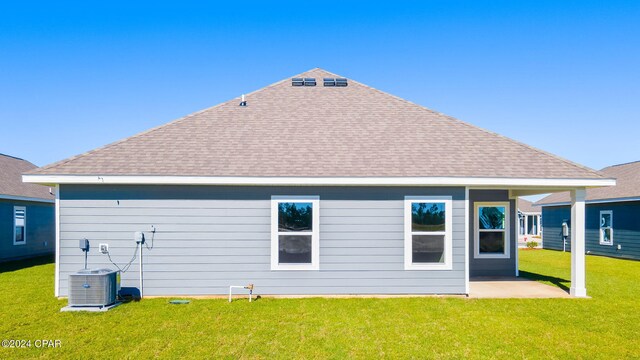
x: 104, y: 248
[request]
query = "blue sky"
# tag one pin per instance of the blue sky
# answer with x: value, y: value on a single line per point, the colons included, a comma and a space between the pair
x: 559, y: 75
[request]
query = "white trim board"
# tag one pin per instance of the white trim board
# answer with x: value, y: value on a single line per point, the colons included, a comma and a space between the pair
x: 309, y: 181
x: 530, y: 213
x: 596, y: 201
x: 26, y: 198
x: 517, y: 230
x: 466, y: 240
x: 56, y: 288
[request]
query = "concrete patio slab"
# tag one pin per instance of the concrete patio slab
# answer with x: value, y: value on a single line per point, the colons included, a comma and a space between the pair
x: 513, y: 288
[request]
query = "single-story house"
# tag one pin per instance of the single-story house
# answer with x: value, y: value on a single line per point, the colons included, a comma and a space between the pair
x: 27, y: 227
x: 612, y: 216
x: 313, y: 185
x: 529, y: 225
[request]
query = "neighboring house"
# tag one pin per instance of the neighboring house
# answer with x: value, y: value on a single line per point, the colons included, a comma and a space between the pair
x: 529, y: 228
x: 312, y: 185
x: 612, y: 216
x: 27, y: 218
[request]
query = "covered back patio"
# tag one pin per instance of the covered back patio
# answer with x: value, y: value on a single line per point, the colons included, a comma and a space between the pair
x: 493, y: 235
x: 578, y: 286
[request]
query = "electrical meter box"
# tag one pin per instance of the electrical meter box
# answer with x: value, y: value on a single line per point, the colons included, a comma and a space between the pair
x: 139, y: 236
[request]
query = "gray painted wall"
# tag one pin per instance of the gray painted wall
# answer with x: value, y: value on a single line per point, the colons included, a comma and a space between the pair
x: 492, y: 267
x: 626, y: 228
x: 40, y: 230
x: 210, y: 237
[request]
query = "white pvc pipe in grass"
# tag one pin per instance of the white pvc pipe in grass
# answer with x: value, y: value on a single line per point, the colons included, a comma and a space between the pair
x: 249, y: 287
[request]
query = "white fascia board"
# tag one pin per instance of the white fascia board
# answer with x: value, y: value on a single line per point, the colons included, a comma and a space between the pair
x: 310, y: 181
x: 26, y: 198
x: 597, y: 201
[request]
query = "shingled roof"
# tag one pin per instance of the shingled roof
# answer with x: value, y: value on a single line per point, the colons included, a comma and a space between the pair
x: 527, y: 206
x: 627, y: 186
x: 11, y: 185
x: 290, y: 131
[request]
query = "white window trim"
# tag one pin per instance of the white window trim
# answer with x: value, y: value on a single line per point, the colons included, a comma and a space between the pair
x: 507, y: 230
x: 536, y: 221
x: 315, y: 233
x: 602, y: 242
x: 448, y: 233
x: 24, y: 235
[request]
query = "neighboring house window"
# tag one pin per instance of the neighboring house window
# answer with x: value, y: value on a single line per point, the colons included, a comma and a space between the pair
x: 492, y: 230
x: 295, y: 232
x: 19, y: 225
x: 428, y: 233
x: 606, y: 227
x: 532, y: 223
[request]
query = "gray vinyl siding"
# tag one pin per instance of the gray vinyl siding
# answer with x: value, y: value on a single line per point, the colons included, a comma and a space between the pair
x: 210, y: 237
x: 40, y: 230
x: 492, y: 267
x: 626, y: 229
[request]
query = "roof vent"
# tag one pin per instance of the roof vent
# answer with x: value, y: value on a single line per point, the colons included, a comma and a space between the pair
x: 329, y: 82
x: 303, y: 81
x: 334, y: 82
x: 243, y: 102
x: 341, y: 82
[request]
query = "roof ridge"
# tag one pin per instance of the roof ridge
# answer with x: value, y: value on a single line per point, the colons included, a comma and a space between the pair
x: 486, y: 131
x: 621, y: 164
x: 11, y: 156
x: 161, y: 126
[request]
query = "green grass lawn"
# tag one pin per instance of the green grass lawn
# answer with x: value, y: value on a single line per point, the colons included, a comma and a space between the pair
x: 606, y: 326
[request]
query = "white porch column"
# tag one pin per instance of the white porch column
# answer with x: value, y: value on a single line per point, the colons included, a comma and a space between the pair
x: 578, y: 269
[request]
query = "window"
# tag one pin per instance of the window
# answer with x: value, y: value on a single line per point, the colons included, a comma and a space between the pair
x: 19, y: 225
x: 606, y: 227
x: 492, y: 230
x: 428, y: 231
x: 294, y: 233
x: 532, y: 225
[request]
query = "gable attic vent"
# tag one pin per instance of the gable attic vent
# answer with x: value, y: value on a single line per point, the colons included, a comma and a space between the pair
x: 303, y: 82
x: 334, y: 82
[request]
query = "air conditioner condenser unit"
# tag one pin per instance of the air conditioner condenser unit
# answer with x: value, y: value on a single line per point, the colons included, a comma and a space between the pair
x: 93, y: 287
